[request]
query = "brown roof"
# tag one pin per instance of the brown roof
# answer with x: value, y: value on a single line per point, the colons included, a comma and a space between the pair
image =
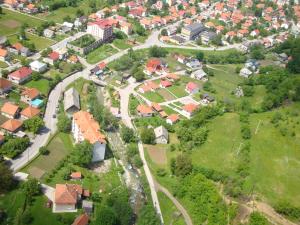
x: 67, y: 193
x: 89, y: 127
x: 31, y: 93
x: 156, y: 106
x: 76, y: 175
x: 173, y: 117
x: 12, y: 125
x: 5, y: 83
x: 82, y: 219
x: 30, y: 112
x: 191, y: 107
x: 144, y: 109
x: 9, y: 108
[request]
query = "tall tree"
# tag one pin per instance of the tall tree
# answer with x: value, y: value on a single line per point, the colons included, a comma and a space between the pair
x: 6, y: 178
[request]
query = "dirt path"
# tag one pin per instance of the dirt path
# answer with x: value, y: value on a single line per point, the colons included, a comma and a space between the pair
x: 181, y: 209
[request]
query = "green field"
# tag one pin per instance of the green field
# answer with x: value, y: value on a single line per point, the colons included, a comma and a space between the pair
x: 153, y: 97
x: 100, y: 53
x: 121, y: 44
x: 3, y: 65
x: 42, y: 85
x: 39, y: 42
x: 59, y: 146
x: 10, y: 22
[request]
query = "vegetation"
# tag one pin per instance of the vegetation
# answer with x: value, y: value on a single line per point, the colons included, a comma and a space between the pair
x: 34, y: 124
x: 82, y: 154
x: 6, y: 178
x: 84, y: 41
x: 13, y: 146
x: 148, y: 136
x: 127, y: 134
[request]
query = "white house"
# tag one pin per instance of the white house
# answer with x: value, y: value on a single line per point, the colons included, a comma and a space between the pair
x: 38, y: 66
x: 85, y: 127
x: 101, y: 29
x: 161, y: 135
x: 199, y: 75
x: 245, y: 72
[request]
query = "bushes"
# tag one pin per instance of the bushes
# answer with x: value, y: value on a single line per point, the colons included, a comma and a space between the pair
x: 288, y: 210
x: 257, y: 219
x: 148, y: 136
x: 14, y: 146
x: 127, y: 134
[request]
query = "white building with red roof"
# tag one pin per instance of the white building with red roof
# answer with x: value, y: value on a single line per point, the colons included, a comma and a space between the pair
x: 101, y: 29
x: 20, y: 75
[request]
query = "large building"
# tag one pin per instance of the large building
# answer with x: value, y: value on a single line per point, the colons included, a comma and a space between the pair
x: 101, y: 29
x: 85, y: 127
x: 192, y: 31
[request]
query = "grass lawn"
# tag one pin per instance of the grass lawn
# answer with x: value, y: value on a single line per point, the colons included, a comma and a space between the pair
x: 154, y: 97
x: 39, y: 42
x: 3, y: 64
x: 121, y: 44
x: 58, y: 147
x: 14, y: 200
x: 178, y: 90
x: 10, y: 22
x: 100, y: 53
x: 42, y: 85
x: 169, y: 211
x: 173, y: 64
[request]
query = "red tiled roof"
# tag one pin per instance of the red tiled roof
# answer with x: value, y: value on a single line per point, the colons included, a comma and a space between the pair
x: 191, y: 86
x: 82, y: 219
x: 173, y: 117
x: 144, y: 109
x: 30, y: 112
x: 21, y: 73
x: 54, y: 56
x: 4, y: 83
x: 190, y: 107
x: 12, y: 125
x: 67, y: 193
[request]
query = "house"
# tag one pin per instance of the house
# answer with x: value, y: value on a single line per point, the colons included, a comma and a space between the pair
x: 245, y: 72
x: 10, y: 110
x: 4, y: 55
x: 206, y: 99
x: 199, y: 75
x: 207, y: 36
x: 193, y: 63
x: 172, y: 119
x: 52, y: 58
x: 172, y: 77
x: 126, y: 27
x: 5, y: 86
x: 101, y: 29
x: 87, y: 206
x: 148, y: 86
x: 155, y: 65
x: 252, y: 64
x: 12, y: 126
x: 181, y: 58
x: 192, y: 31
x: 176, y: 39
x: 66, y: 196
x: 189, y: 109
x: 29, y: 112
x: 76, y: 176
x: 192, y: 88
x: 82, y: 219
x: 29, y: 94
x: 161, y: 135
x: 18, y: 48
x: 71, y: 101
x: 73, y: 59
x: 85, y: 127
x: 62, y: 52
x: 48, y: 33
x: 144, y: 111
x: 21, y: 75
x: 99, y: 69
x: 171, y: 31
x: 165, y: 83
x: 156, y: 107
x: 38, y: 66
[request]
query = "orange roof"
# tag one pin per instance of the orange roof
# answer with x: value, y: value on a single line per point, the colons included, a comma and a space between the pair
x: 173, y: 118
x: 67, y: 193
x: 9, y: 108
x: 172, y: 76
x: 73, y: 58
x: 82, y: 219
x: 144, y: 109
x: 190, y: 107
x: 31, y: 93
x: 76, y: 175
x: 156, y: 106
x: 163, y: 114
x: 4, y: 83
x: 18, y: 46
x: 3, y: 52
x: 30, y: 112
x: 12, y: 125
x: 89, y: 127
x: 31, y: 6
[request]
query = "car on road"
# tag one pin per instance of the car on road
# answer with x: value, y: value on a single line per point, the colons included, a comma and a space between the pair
x: 53, y: 116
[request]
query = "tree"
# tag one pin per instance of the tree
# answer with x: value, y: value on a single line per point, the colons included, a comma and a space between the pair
x: 164, y: 32
x: 6, y: 178
x: 106, y: 216
x: 200, y: 56
x: 139, y: 75
x: 43, y: 150
x: 1, y: 11
x: 82, y: 154
x: 35, y: 76
x: 31, y: 187
x: 22, y: 34
x: 246, y: 132
x: 148, y: 216
x: 5, y: 73
x: 14, y: 146
x: 156, y: 51
x: 64, y: 123
x: 127, y: 134
x: 34, y: 124
x: 237, y: 69
x: 183, y: 165
x: 148, y: 136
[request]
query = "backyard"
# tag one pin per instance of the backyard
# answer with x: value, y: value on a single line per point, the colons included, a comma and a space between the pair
x: 100, y: 53
x: 42, y: 85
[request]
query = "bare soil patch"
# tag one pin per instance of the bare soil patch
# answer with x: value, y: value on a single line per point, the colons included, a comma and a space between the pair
x: 157, y: 154
x: 10, y: 23
x: 36, y: 172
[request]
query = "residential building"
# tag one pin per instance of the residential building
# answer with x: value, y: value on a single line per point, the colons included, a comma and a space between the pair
x: 207, y: 36
x: 245, y: 72
x: 12, y: 126
x: 29, y: 94
x: 66, y: 197
x: 148, y: 86
x: 48, y: 33
x: 29, y: 112
x: 76, y: 176
x: 172, y: 119
x: 21, y: 75
x: 156, y: 107
x: 155, y: 65
x: 161, y: 135
x: 52, y: 58
x: 199, y: 75
x: 101, y: 29
x: 192, y: 31
x: 85, y: 127
x: 192, y: 88
x: 5, y: 86
x: 126, y: 27
x: 38, y: 66
x: 4, y: 55
x: 71, y: 101
x: 165, y: 83
x: 193, y: 63
x: 10, y: 110
x: 176, y: 39
x: 145, y: 111
x: 189, y: 109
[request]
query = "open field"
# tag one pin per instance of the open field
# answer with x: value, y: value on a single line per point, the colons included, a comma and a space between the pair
x: 42, y: 85
x: 157, y: 153
x: 154, y: 96
x: 10, y: 22
x: 100, y: 53
x: 121, y: 44
x: 58, y: 147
